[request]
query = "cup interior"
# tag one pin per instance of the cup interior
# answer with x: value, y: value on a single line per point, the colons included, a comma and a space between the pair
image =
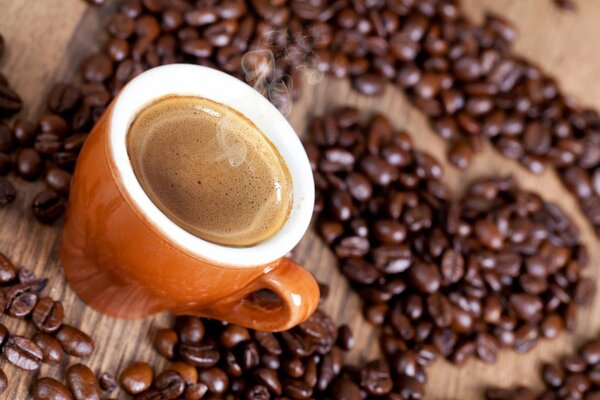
x: 193, y: 80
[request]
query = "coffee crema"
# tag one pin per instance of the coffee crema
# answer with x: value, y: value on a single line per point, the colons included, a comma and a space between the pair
x: 210, y: 170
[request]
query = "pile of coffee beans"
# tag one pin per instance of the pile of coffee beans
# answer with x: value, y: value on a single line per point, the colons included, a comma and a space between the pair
x: 21, y: 297
x: 577, y: 376
x: 212, y: 358
x: 501, y: 268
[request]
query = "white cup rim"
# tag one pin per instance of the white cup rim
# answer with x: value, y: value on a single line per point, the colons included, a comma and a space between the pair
x: 194, y: 80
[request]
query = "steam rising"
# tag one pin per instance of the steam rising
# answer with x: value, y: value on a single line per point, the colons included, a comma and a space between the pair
x: 260, y: 71
x: 234, y: 149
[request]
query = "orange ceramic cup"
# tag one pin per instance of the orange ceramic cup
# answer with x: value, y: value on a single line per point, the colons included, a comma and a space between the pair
x: 125, y: 258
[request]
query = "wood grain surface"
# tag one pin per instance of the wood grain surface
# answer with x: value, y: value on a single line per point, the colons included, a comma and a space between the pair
x: 47, y: 41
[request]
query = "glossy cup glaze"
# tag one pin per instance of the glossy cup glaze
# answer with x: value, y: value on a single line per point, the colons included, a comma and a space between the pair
x: 124, y: 257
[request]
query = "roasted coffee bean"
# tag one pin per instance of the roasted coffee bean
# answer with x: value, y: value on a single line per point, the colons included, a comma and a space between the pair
x: 47, y: 143
x: 63, y: 97
x: 29, y: 164
x: 369, y: 84
x: 165, y: 341
x: 107, y: 382
x: 8, y: 193
x: 233, y: 335
x: 83, y: 383
x: 189, y: 329
x: 20, y: 300
x: 136, y: 377
x: 50, y: 389
x: 460, y: 155
x: 375, y: 378
x: 48, y: 315
x: 215, y: 379
x: 74, y: 341
x: 199, y: 355
x: 97, y: 68
x: 23, y: 353
x: 48, y: 206
x: 169, y: 384
x: 345, y: 338
x: 58, y: 180
x: 51, y: 349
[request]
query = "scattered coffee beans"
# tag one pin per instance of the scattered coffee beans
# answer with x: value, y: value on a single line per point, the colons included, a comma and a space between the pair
x: 501, y: 268
x: 217, y: 359
x: 577, y: 376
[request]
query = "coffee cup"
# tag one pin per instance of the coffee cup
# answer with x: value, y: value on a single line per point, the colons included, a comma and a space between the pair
x: 124, y: 257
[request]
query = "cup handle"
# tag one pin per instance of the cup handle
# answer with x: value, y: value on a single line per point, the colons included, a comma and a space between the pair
x: 296, y: 288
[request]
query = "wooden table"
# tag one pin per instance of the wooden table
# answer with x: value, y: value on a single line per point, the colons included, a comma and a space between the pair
x: 48, y: 39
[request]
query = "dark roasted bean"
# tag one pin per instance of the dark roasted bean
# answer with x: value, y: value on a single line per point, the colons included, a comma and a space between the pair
x: 23, y: 353
x: 136, y: 377
x: 50, y: 389
x: 83, y: 383
x: 74, y: 341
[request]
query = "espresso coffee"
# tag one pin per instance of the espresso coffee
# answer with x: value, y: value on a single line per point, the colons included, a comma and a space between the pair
x: 210, y: 170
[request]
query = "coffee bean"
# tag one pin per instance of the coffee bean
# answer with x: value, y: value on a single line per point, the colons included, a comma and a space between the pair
x: 232, y: 335
x: 83, y: 383
x: 29, y: 164
x: 58, y: 180
x: 51, y: 349
x: 369, y: 84
x: 47, y: 143
x: 169, y: 384
x: 48, y: 206
x: 199, y: 355
x: 215, y: 379
x: 74, y: 341
x: 24, y: 131
x: 50, y: 389
x: 48, y: 315
x: 97, y: 68
x: 136, y: 377
x: 165, y: 341
x: 7, y: 192
x: 189, y: 329
x: 23, y: 353
x: 375, y: 378
x: 107, y: 382
x: 20, y: 300
x: 460, y: 155
x: 345, y: 339
x: 63, y: 97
